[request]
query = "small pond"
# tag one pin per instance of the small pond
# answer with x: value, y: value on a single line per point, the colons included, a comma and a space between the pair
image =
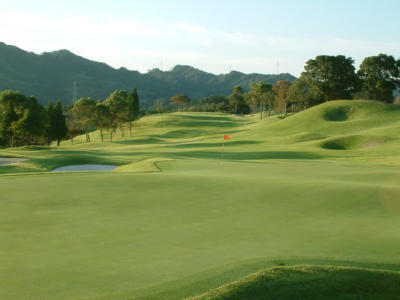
x: 80, y: 168
x: 10, y: 160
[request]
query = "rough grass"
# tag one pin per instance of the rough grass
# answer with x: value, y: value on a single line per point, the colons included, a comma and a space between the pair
x: 177, y: 221
x: 311, y: 282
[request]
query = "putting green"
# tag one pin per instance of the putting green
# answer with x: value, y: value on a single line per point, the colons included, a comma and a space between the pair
x: 174, y: 220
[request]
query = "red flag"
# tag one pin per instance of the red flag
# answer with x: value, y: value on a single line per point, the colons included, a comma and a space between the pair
x: 227, y: 137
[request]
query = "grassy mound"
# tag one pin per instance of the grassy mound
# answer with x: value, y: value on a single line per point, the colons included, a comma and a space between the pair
x: 339, y: 117
x: 174, y: 208
x: 311, y: 282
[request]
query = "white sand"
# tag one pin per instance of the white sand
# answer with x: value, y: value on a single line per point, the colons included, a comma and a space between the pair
x: 10, y: 160
x: 77, y: 168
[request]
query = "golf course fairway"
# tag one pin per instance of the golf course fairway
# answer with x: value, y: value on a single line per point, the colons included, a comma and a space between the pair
x: 314, y: 193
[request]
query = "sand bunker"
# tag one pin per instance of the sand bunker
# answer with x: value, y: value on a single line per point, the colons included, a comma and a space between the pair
x: 373, y: 143
x: 10, y: 160
x: 80, y: 168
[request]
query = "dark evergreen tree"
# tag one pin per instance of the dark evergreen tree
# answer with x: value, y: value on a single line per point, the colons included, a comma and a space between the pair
x: 133, y: 108
x: 135, y: 103
x: 49, y: 127
x: 60, y: 129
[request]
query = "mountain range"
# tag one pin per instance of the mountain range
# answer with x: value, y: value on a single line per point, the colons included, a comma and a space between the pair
x: 66, y: 76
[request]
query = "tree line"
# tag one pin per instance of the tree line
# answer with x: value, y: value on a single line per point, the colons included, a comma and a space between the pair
x: 24, y: 121
x: 325, y: 78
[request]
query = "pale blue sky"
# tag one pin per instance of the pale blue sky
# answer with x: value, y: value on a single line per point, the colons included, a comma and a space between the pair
x: 216, y: 36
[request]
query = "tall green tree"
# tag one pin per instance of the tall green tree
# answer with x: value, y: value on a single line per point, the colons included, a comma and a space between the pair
x: 7, y: 124
x: 214, y: 103
x: 72, y: 124
x: 265, y: 95
x: 26, y: 117
x: 119, y: 107
x: 380, y: 77
x: 103, y: 119
x: 331, y: 77
x: 180, y: 100
x: 252, y: 99
x: 301, y: 92
x: 236, y: 99
x: 33, y: 121
x: 281, y: 97
x: 18, y: 100
x: 83, y: 112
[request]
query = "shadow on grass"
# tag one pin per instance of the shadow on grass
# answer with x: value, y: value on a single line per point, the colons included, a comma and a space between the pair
x: 227, y: 155
x: 50, y: 163
x: 251, y: 155
x: 176, y: 134
x: 33, y: 148
x: 205, y: 145
x: 142, y: 141
x: 213, y: 118
x: 197, y: 123
x: 179, y: 134
x: 15, y: 169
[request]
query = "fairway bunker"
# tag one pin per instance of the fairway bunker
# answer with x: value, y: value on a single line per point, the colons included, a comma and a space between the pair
x: 10, y: 160
x: 86, y: 168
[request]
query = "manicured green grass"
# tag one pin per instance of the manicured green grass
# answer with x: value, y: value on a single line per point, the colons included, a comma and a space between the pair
x: 175, y: 221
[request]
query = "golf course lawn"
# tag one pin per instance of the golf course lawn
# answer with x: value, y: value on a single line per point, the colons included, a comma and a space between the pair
x: 174, y: 220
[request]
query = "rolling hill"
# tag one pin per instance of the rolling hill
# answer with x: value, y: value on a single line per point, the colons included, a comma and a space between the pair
x: 300, y: 206
x: 51, y: 75
x: 311, y: 282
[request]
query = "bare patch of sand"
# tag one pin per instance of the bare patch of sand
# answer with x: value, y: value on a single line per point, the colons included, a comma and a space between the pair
x: 11, y: 160
x: 86, y: 168
x: 373, y: 143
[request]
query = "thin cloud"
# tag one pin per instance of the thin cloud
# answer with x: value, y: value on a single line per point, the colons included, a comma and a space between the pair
x: 191, y: 28
x: 134, y: 43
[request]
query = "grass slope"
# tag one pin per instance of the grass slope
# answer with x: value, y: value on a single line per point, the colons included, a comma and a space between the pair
x: 311, y: 282
x: 174, y: 220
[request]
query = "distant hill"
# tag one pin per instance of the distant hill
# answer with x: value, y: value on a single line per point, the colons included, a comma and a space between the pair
x: 50, y: 76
